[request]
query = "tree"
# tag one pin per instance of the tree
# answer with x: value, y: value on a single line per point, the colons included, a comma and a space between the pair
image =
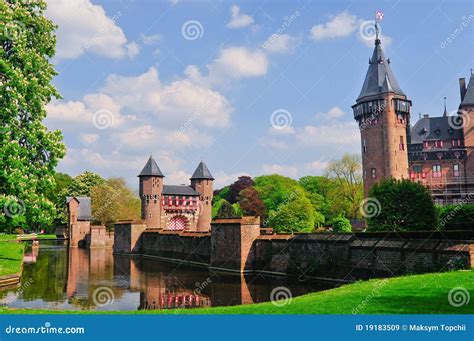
x: 341, y: 224
x: 30, y: 152
x: 294, y: 216
x: 83, y: 183
x: 226, y: 210
x: 399, y: 205
x: 113, y: 200
x: 250, y: 203
x: 242, y: 183
x: 347, y: 173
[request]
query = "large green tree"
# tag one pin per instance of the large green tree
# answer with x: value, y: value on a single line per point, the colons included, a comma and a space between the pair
x: 30, y: 152
x: 399, y: 205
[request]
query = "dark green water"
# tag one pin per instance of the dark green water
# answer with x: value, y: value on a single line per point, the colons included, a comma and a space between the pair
x: 56, y: 277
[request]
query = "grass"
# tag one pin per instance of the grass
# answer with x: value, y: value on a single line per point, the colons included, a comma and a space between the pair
x: 11, y: 258
x: 419, y: 294
x: 8, y: 237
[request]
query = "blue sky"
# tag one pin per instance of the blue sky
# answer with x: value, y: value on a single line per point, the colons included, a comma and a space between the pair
x: 252, y: 87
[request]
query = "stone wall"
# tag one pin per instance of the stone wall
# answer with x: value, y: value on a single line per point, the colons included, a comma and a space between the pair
x: 235, y: 245
x: 100, y: 238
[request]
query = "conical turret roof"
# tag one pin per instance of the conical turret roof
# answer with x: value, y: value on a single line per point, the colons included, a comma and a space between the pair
x: 380, y: 78
x: 202, y: 172
x: 151, y: 169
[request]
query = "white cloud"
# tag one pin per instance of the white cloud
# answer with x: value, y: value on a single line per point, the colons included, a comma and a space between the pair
x: 88, y: 139
x: 333, y: 113
x: 342, y: 25
x: 239, y: 20
x: 286, y: 170
x: 296, y: 171
x: 281, y: 43
x: 132, y: 50
x: 339, y: 133
x: 151, y: 39
x: 223, y: 179
x: 85, y: 27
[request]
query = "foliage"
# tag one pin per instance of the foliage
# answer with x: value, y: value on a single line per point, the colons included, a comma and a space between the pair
x: 30, y: 152
x: 456, y: 217
x: 341, y: 224
x: 402, y: 205
x: 83, y: 183
x: 347, y: 174
x: 242, y: 183
x: 296, y: 215
x: 226, y: 210
x: 113, y: 200
x: 250, y: 203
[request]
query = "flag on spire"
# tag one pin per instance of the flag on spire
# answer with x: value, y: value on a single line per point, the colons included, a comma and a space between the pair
x: 379, y: 15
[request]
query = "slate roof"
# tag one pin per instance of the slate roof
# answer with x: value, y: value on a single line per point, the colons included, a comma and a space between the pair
x: 202, y: 172
x: 434, y: 128
x: 85, y: 211
x: 151, y: 169
x: 179, y: 190
x: 379, y: 78
x: 469, y: 96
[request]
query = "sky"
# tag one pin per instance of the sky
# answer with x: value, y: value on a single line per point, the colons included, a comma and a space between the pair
x: 250, y: 87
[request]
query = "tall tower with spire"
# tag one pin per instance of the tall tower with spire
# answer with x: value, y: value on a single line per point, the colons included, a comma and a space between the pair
x: 382, y: 111
x: 150, y: 190
x: 202, y: 182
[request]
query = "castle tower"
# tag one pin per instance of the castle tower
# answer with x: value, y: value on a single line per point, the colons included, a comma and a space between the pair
x: 383, y: 113
x: 202, y: 182
x: 466, y: 109
x: 151, y: 187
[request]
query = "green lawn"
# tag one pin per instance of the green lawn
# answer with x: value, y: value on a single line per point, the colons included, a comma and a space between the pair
x: 11, y: 258
x: 420, y: 294
x: 7, y: 237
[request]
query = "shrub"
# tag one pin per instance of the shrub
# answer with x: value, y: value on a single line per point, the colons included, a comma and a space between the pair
x: 341, y: 224
x: 456, y: 217
x: 399, y: 205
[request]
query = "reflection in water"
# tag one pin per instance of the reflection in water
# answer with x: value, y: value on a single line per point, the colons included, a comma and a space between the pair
x: 70, y: 278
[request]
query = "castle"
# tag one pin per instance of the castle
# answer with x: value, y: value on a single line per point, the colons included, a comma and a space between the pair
x: 178, y: 208
x: 437, y: 152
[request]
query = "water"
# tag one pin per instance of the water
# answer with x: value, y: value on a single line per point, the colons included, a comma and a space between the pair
x: 55, y: 277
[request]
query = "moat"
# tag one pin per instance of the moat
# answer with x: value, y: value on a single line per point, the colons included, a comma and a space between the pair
x: 60, y: 278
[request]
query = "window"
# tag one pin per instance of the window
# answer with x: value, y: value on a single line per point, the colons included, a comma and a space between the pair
x: 373, y: 173
x: 436, y: 170
x: 402, y: 144
x: 365, y: 173
x: 456, y: 170
x: 364, y: 146
x: 426, y: 145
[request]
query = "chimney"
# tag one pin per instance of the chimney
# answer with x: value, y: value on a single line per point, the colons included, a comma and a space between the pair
x: 426, y: 116
x: 462, y: 87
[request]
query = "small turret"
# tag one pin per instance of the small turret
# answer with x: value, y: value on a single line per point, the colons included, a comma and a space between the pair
x: 151, y: 187
x: 202, y: 182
